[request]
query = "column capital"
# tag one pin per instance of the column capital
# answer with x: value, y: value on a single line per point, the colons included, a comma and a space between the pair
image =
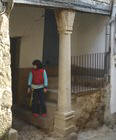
x: 65, y: 20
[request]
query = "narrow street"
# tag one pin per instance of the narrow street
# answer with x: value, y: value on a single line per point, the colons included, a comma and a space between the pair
x: 29, y: 132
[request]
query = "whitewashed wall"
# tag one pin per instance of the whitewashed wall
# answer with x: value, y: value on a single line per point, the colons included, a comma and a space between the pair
x: 89, y: 34
x: 27, y: 23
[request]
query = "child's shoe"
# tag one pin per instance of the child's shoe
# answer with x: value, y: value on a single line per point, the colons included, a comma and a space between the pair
x: 35, y: 115
x: 44, y: 115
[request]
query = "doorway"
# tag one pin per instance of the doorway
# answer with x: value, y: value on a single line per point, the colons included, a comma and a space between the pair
x: 51, y: 39
x: 15, y: 54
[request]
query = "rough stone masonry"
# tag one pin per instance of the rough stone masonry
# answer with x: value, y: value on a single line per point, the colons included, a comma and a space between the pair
x: 5, y: 77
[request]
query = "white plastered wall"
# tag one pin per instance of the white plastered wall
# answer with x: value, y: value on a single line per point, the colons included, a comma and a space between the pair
x: 89, y: 37
x: 88, y: 34
x: 28, y: 23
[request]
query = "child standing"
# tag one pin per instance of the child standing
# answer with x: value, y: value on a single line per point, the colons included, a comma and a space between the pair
x: 38, y: 83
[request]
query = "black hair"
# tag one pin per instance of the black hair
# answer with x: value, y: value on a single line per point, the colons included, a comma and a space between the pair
x: 37, y: 63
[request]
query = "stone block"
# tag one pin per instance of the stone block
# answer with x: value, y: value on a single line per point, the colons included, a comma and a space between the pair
x: 72, y: 136
x: 44, y: 123
x: 64, y: 123
x: 12, y: 135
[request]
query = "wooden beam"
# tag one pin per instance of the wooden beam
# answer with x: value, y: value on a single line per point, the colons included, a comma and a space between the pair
x: 97, y: 7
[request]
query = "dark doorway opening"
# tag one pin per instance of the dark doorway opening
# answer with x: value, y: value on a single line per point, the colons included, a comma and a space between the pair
x: 51, y: 39
x: 15, y: 52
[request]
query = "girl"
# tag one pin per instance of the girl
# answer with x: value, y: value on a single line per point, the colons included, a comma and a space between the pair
x: 38, y: 83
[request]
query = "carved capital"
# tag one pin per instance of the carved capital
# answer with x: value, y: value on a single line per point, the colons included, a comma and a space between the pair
x: 65, y: 20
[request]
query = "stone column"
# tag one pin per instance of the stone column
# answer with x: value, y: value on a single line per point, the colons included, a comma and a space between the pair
x: 64, y: 116
x: 111, y: 109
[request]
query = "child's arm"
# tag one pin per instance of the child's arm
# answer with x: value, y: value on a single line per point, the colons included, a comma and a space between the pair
x: 45, y: 80
x: 29, y: 82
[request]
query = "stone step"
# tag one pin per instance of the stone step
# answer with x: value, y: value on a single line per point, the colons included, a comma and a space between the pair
x: 52, y: 95
x: 53, y: 82
x: 87, y: 81
x: 45, y: 123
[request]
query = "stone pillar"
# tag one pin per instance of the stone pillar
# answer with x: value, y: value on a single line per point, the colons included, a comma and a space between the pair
x: 5, y: 77
x: 111, y: 96
x: 64, y: 116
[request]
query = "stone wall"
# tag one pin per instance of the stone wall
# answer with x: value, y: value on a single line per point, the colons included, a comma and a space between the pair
x: 109, y: 118
x: 91, y: 1
x: 106, y: 1
x: 5, y: 77
x: 89, y: 109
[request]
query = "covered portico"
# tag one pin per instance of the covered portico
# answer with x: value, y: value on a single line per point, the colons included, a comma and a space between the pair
x: 64, y: 116
x: 65, y: 15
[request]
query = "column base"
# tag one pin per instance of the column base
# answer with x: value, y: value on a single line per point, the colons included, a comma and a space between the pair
x: 64, y: 123
x: 12, y: 134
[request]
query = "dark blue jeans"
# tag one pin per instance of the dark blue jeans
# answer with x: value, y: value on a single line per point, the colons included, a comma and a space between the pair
x: 38, y: 102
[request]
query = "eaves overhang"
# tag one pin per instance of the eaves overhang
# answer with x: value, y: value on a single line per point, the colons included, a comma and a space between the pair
x: 79, y: 5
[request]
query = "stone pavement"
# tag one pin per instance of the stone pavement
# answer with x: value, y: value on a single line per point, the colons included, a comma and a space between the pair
x: 103, y: 133
x: 29, y: 132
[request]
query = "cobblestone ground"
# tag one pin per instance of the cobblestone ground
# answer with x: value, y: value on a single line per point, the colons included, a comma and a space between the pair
x: 29, y: 132
x: 103, y: 133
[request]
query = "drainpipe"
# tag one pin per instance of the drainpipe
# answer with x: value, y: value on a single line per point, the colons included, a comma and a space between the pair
x: 108, y: 29
x: 108, y: 46
x: 108, y: 41
x: 107, y: 53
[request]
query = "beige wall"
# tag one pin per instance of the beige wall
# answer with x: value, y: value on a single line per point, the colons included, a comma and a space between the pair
x: 26, y: 22
x: 88, y: 34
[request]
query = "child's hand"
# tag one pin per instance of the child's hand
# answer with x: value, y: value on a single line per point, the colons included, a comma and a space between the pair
x: 28, y: 90
x: 45, y: 90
